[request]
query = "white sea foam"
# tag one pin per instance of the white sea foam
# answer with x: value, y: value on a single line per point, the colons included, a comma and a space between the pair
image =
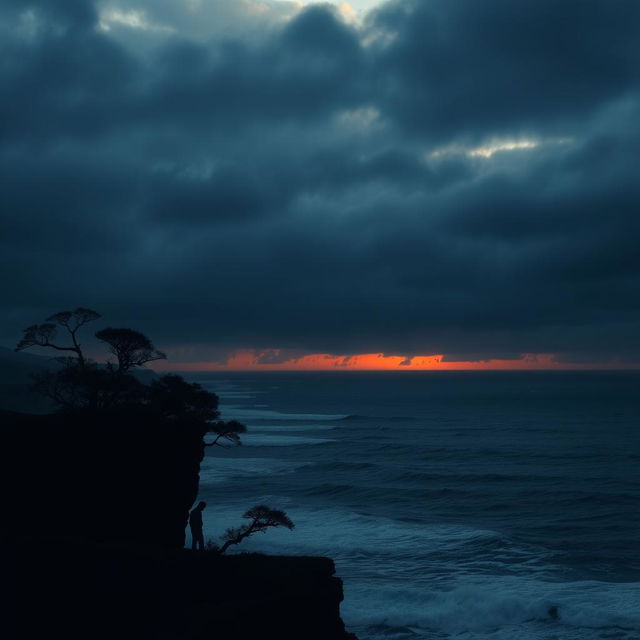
x: 503, y: 607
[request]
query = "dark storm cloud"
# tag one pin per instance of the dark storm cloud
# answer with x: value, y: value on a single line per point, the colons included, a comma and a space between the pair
x: 463, y: 68
x: 278, y: 356
x: 76, y: 81
x: 58, y: 76
x: 450, y: 177
x: 65, y: 14
x: 226, y: 195
x: 296, y: 77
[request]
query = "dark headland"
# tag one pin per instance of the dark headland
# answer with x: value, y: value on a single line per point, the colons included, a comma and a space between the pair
x: 94, y: 512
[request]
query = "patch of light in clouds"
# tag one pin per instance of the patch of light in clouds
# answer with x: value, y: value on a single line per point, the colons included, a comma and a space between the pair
x: 363, y: 119
x: 348, y: 9
x: 488, y: 149
x: 133, y: 19
x: 507, y: 145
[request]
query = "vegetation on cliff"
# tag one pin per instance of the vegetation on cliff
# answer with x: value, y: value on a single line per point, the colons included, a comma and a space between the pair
x: 82, y: 384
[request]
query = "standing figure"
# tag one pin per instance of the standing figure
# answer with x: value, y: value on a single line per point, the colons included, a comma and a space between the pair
x: 195, y: 523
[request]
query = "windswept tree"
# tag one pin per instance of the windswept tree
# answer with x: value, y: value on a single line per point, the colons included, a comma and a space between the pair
x: 175, y: 398
x: 227, y: 433
x: 261, y: 518
x: 46, y: 334
x: 131, y: 348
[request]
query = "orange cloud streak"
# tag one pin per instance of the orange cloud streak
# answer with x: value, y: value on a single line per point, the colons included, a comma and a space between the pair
x: 248, y: 360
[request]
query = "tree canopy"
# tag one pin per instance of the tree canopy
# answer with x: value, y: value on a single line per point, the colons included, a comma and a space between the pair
x: 130, y: 347
x: 261, y: 518
x: 44, y: 335
x: 174, y: 397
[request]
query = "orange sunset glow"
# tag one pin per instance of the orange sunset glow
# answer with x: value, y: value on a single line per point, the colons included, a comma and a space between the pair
x: 249, y: 360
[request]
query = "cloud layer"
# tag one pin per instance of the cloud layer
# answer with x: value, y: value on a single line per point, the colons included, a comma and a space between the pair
x: 434, y: 177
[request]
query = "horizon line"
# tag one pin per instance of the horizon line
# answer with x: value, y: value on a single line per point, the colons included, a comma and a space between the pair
x: 278, y: 360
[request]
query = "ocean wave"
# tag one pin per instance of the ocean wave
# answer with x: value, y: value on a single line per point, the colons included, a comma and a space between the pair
x: 289, y: 427
x: 383, y: 493
x: 215, y: 470
x: 332, y: 489
x: 419, y: 476
x: 380, y: 418
x: 235, y: 395
x: 342, y: 466
x: 259, y: 440
x: 243, y: 413
x: 341, y: 533
x: 255, y: 412
x: 498, y: 607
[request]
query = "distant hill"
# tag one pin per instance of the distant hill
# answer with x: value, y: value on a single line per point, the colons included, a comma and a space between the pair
x: 17, y: 366
x: 16, y: 369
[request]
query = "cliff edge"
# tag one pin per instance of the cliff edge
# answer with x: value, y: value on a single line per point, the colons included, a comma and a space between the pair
x: 110, y: 591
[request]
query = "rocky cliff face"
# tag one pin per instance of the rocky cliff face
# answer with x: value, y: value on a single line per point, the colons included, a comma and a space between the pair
x: 109, y: 591
x: 95, y: 511
x: 99, y: 478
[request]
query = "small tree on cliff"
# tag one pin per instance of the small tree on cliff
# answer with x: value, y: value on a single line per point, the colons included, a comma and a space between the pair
x: 227, y: 433
x: 261, y: 518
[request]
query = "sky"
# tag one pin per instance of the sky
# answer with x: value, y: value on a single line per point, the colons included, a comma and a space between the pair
x: 263, y: 184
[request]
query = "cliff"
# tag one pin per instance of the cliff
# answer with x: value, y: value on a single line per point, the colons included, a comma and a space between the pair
x: 95, y: 509
x: 110, y: 477
x: 109, y: 591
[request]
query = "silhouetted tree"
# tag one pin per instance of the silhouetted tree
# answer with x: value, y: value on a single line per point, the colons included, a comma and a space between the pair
x: 262, y: 518
x: 90, y: 386
x: 226, y: 431
x: 175, y: 398
x: 64, y: 387
x: 131, y: 348
x: 43, y: 335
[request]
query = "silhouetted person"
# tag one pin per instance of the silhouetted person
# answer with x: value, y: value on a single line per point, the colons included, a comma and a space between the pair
x: 195, y: 523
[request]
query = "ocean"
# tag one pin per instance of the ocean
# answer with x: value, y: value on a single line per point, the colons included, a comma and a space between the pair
x: 502, y: 505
